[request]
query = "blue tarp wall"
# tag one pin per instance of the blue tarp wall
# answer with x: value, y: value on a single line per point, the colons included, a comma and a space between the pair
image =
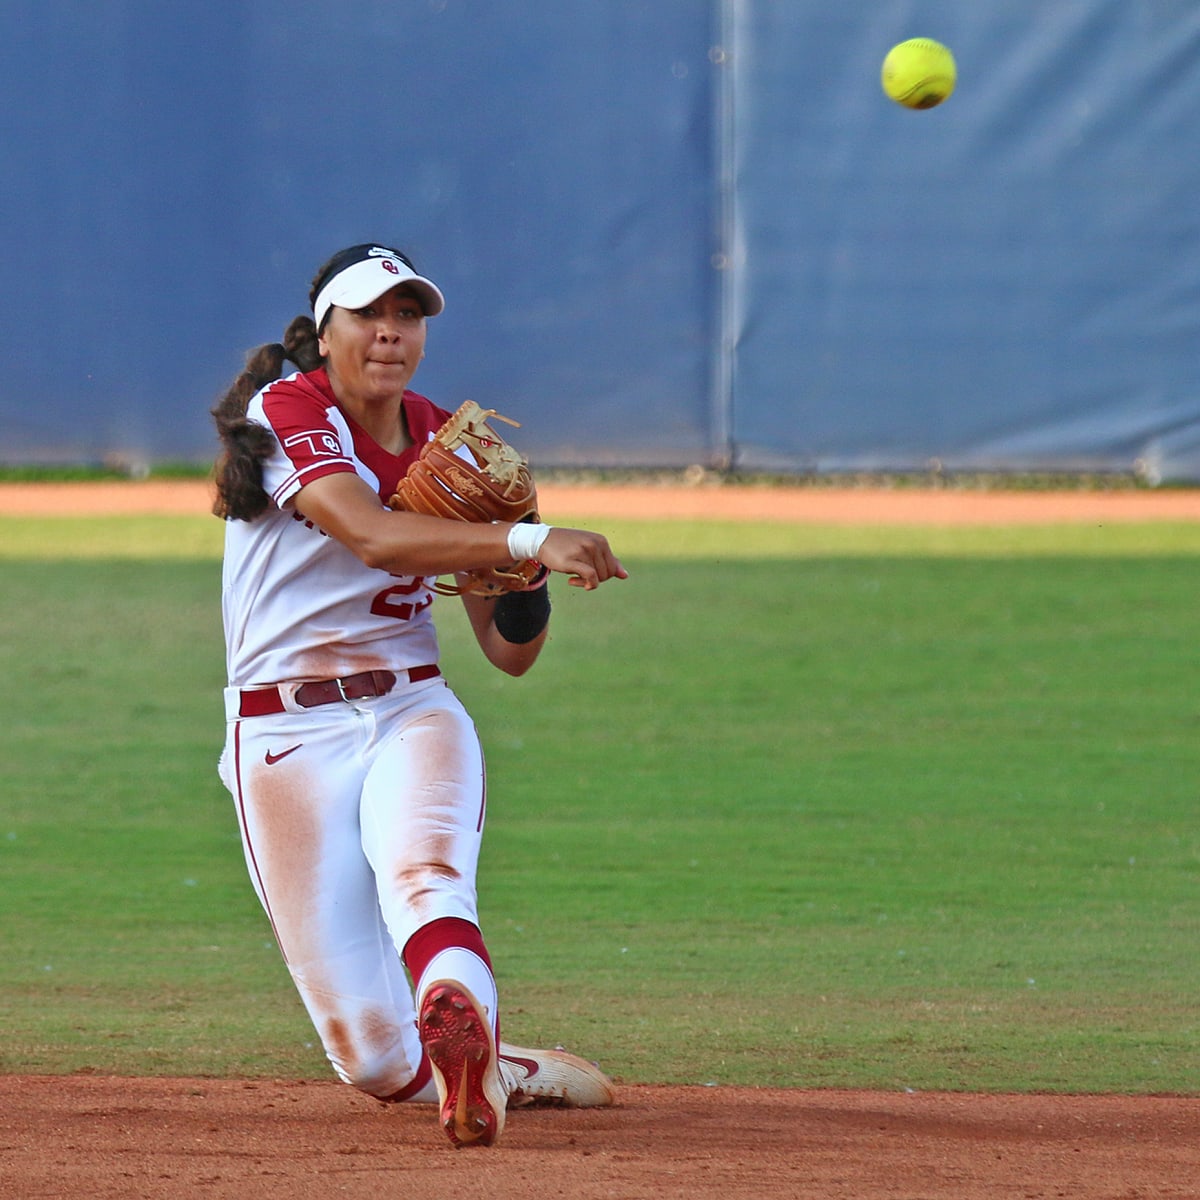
x: 670, y: 231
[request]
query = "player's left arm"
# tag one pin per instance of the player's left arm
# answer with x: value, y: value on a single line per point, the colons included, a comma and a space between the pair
x: 510, y: 629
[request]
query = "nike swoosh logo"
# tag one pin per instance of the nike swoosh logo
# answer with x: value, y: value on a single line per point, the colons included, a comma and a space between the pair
x: 272, y: 759
x: 530, y: 1064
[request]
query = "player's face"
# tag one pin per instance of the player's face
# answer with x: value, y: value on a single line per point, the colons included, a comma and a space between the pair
x: 372, y: 353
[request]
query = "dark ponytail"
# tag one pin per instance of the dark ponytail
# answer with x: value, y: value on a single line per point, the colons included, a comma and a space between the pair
x: 246, y: 444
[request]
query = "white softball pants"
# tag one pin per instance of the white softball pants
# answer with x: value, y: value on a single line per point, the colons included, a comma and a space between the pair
x: 361, y: 822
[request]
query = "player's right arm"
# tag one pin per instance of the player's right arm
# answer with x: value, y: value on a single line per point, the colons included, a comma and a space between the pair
x: 345, y: 507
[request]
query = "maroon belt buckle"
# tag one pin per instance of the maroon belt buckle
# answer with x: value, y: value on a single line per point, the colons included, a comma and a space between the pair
x: 266, y: 701
x: 364, y: 685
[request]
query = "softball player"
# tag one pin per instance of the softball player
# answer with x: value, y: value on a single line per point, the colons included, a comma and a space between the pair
x: 357, y: 775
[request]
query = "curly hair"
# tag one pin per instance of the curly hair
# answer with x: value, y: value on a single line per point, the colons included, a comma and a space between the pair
x: 245, y: 444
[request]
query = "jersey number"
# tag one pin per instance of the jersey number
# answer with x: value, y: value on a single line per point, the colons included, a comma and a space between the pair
x: 389, y: 604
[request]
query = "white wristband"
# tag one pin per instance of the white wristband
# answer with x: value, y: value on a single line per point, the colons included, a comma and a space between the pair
x: 525, y: 540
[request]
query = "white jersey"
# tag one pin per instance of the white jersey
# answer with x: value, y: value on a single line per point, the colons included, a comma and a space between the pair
x: 344, y: 617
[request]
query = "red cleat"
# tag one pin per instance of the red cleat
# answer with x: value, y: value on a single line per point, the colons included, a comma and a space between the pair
x: 457, y: 1036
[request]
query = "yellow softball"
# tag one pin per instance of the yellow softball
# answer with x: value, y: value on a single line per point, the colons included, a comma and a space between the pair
x: 919, y: 73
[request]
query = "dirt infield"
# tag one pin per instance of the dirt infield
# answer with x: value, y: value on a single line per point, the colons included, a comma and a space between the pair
x: 146, y: 1138
x: 564, y: 501
x: 840, y: 505
x: 141, y: 1139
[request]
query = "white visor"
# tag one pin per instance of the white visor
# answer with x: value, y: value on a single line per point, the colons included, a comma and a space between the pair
x: 363, y: 282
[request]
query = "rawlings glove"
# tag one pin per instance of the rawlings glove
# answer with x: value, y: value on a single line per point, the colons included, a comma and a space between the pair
x: 467, y: 472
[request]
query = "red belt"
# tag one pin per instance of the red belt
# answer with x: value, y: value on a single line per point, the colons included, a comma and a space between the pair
x: 263, y: 702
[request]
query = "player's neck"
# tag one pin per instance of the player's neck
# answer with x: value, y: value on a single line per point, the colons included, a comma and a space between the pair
x: 383, y: 421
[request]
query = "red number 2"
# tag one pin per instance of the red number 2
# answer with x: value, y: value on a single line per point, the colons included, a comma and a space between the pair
x: 388, y: 604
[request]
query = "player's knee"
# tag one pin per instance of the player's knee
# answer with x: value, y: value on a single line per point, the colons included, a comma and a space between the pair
x: 380, y: 1080
x: 378, y: 1066
x: 384, y: 1077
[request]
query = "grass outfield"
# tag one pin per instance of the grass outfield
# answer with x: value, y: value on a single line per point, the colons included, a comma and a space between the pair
x: 792, y: 806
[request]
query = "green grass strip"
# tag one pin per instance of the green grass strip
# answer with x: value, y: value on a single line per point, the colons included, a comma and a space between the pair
x: 149, y: 538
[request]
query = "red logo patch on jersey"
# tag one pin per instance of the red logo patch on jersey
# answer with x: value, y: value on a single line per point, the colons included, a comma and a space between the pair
x: 317, y: 442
